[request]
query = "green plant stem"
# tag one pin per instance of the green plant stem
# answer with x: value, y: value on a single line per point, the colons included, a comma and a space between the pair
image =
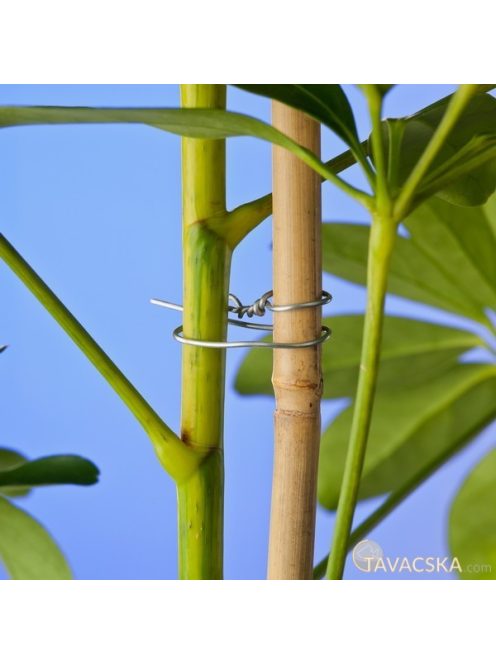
x: 382, y: 236
x: 206, y: 258
x: 236, y: 224
x: 374, y: 100
x: 177, y: 458
x: 455, y: 109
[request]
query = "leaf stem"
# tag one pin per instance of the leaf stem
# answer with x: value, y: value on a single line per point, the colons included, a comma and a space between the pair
x: 453, y: 112
x: 374, y: 100
x: 235, y: 225
x: 178, y: 459
x: 382, y: 236
x: 361, y: 196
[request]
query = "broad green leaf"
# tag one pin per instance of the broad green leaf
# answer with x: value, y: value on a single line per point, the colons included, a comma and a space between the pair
x: 472, y: 523
x: 326, y: 103
x: 406, y: 343
x: 479, y: 117
x: 447, y: 262
x: 478, y: 121
x: 467, y: 178
x: 490, y: 212
x: 57, y: 469
x: 26, y: 549
x: 409, y: 429
x: 412, y: 274
x: 462, y: 242
x: 194, y: 123
x: 9, y: 459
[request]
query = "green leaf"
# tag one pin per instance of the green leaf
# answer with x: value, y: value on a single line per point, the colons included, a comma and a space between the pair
x: 472, y: 522
x: 326, y: 103
x: 447, y: 262
x: 409, y: 429
x: 490, y: 213
x: 8, y: 459
x: 477, y: 121
x: 406, y: 343
x: 462, y: 242
x: 26, y: 549
x: 470, y: 171
x: 57, y: 469
x: 194, y: 123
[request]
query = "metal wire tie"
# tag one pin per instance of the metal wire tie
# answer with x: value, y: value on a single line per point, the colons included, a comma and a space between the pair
x: 258, y: 308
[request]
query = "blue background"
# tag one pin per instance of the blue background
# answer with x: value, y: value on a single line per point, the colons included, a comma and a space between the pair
x: 96, y: 211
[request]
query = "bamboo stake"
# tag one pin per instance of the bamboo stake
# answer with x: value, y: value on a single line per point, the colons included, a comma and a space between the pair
x: 297, y: 377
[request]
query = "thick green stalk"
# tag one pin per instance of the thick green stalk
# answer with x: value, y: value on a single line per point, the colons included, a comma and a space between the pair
x: 382, y: 235
x: 206, y: 258
x: 179, y: 460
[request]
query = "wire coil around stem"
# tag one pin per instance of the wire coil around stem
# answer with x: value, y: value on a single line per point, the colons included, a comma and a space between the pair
x: 258, y: 308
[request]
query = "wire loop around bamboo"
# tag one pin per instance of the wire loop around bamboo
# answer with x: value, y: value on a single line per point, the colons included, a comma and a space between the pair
x: 258, y: 308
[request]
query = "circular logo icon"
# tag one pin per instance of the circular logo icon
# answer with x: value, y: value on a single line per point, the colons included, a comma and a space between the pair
x: 366, y: 555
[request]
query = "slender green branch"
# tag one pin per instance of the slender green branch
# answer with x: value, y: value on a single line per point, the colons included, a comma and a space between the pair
x: 342, y: 161
x: 382, y: 236
x: 177, y: 458
x: 360, y: 154
x: 457, y: 105
x: 374, y: 100
x: 235, y: 225
x: 361, y: 196
x: 396, y: 497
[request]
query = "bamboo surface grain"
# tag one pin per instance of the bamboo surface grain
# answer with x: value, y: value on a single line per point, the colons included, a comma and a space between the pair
x: 297, y: 376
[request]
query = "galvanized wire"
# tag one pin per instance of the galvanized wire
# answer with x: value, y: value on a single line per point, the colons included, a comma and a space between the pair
x: 258, y: 308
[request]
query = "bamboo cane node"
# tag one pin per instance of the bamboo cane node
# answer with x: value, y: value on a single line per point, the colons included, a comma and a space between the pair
x: 258, y: 308
x: 292, y: 413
